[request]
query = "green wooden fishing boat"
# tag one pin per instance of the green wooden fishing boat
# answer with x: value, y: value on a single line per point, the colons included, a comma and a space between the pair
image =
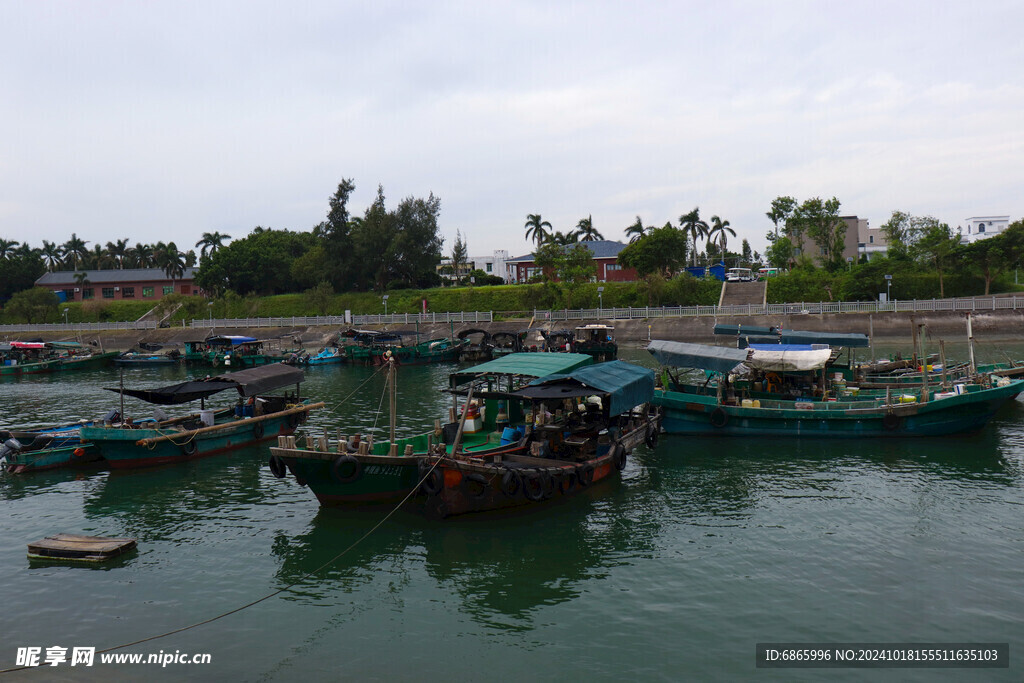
x: 37, y: 358
x: 696, y: 409
x: 131, y: 444
x: 370, y: 347
x: 349, y: 469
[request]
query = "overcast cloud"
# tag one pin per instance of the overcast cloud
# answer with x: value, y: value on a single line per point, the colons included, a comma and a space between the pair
x: 164, y: 120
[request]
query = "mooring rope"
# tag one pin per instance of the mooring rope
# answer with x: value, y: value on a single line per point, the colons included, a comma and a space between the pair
x: 275, y: 593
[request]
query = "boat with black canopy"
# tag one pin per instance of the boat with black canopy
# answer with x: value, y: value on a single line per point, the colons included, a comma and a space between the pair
x: 264, y: 410
x: 585, y: 424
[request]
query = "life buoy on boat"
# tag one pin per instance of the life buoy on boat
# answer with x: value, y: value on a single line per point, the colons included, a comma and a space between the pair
x: 719, y: 418
x: 338, y: 469
x: 277, y: 467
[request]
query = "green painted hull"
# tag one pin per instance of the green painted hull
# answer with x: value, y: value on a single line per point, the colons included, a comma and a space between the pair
x: 121, y: 449
x: 92, y: 362
x: 378, y: 477
x: 694, y: 414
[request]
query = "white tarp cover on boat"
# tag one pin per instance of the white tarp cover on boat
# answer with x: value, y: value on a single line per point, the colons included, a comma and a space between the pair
x: 702, y: 356
x: 789, y: 360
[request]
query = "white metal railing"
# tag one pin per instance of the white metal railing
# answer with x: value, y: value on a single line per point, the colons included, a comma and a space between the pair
x: 80, y: 327
x: 987, y: 303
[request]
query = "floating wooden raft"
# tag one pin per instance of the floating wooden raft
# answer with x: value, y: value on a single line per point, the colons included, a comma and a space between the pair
x: 79, y: 548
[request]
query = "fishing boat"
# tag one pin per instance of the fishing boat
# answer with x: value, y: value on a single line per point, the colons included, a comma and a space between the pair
x: 143, y: 358
x: 232, y: 351
x: 371, y: 347
x: 597, y: 341
x: 346, y: 468
x: 259, y: 416
x: 802, y: 403
x: 29, y: 450
x: 477, y: 345
x: 35, y: 358
x: 598, y: 415
x: 329, y: 355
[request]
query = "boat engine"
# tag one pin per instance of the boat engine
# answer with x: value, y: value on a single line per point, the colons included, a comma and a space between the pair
x: 10, y: 446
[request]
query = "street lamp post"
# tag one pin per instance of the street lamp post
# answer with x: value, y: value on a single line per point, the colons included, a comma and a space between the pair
x: 385, y: 297
x: 600, y: 300
x: 65, y: 315
x: 888, y: 288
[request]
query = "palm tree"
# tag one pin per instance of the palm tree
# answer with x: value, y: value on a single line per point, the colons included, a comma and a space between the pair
x: 7, y: 247
x: 142, y: 255
x: 719, y: 228
x: 211, y: 241
x: 585, y: 231
x: 535, y: 228
x: 560, y: 238
x: 51, y: 254
x: 190, y: 258
x: 636, y: 231
x: 118, y: 250
x: 98, y: 259
x: 170, y: 260
x: 695, y: 227
x: 75, y: 248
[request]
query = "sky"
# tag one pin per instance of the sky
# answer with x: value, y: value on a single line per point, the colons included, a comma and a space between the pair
x: 159, y: 121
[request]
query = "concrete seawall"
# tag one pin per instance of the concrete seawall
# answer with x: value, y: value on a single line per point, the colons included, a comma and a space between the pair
x: 1000, y: 325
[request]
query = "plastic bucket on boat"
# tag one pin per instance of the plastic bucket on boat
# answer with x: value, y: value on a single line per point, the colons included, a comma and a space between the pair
x: 206, y: 417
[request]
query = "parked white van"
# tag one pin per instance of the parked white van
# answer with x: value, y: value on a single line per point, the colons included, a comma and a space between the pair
x: 739, y: 275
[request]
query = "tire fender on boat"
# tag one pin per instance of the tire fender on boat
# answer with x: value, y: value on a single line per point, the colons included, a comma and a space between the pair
x: 189, y: 447
x: 511, y: 482
x: 719, y: 418
x: 337, y: 469
x: 891, y: 422
x: 294, y: 419
x: 533, y: 486
x: 277, y: 467
x: 257, y: 430
x: 651, y: 440
x: 567, y: 482
x: 471, y: 481
x: 585, y: 475
x: 431, y: 480
x: 619, y: 457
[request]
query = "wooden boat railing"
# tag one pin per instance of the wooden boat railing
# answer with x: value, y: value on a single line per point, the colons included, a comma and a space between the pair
x: 229, y: 425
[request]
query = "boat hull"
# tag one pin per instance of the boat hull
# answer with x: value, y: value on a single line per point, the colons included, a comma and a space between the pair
x: 361, y: 478
x: 700, y: 415
x: 70, y: 455
x: 124, y: 448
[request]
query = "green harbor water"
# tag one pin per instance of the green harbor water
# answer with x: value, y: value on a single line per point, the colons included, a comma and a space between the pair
x: 703, y: 548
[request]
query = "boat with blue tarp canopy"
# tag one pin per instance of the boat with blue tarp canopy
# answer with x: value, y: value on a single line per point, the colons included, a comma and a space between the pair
x: 702, y: 356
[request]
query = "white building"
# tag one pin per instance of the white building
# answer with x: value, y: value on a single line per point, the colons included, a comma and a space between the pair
x: 980, y: 227
x: 492, y: 265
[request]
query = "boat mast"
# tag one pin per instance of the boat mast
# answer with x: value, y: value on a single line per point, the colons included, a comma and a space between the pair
x: 970, y: 346
x: 391, y: 391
